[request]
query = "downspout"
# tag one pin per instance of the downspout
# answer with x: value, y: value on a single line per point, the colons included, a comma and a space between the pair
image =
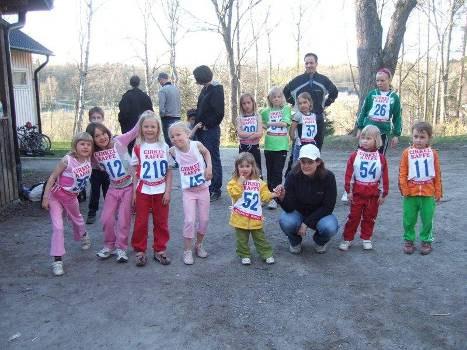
x: 36, y: 88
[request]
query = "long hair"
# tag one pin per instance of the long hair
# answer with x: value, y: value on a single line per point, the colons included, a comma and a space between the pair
x: 273, y: 91
x: 91, y: 130
x: 373, y: 131
x: 146, y: 115
x: 249, y: 159
x: 245, y: 96
x: 81, y: 136
x: 305, y: 95
x: 321, y: 170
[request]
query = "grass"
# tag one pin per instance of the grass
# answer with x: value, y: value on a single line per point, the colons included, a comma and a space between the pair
x: 60, y: 148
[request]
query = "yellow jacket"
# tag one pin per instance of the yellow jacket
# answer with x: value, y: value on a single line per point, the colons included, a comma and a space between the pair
x: 235, y: 190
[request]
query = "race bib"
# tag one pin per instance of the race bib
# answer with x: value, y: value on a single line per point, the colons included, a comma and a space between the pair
x: 309, y: 128
x: 274, y: 117
x: 110, y: 160
x: 380, y: 110
x: 367, y: 167
x: 421, y: 164
x: 249, y: 204
x: 249, y: 124
x: 81, y: 175
x: 192, y: 175
x: 154, y: 166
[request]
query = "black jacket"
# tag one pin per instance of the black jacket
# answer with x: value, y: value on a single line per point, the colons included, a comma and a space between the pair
x: 312, y: 197
x: 133, y: 103
x: 318, y: 86
x: 210, y: 108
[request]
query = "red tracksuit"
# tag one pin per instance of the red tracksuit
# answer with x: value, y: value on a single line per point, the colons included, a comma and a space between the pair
x: 368, y: 171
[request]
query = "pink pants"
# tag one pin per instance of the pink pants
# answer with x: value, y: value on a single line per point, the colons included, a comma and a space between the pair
x: 191, y: 201
x: 59, y: 201
x: 116, y: 217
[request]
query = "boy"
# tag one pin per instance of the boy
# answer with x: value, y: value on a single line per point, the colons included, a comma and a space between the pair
x: 420, y: 184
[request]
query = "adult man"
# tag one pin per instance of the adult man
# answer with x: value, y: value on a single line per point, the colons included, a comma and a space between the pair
x: 133, y: 103
x: 169, y: 104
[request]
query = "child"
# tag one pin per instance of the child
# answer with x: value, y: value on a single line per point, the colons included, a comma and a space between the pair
x: 195, y: 172
x: 191, y: 120
x: 247, y: 191
x: 366, y: 171
x: 382, y: 107
x: 249, y: 128
x: 99, y: 178
x: 60, y: 194
x: 305, y: 128
x: 276, y: 121
x: 420, y: 184
x: 153, y: 183
x: 112, y: 156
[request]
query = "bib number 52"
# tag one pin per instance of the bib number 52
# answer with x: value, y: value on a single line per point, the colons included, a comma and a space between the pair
x: 250, y: 201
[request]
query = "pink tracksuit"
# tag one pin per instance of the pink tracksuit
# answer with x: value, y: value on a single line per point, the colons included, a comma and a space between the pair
x: 64, y: 197
x: 195, y: 189
x: 116, y: 215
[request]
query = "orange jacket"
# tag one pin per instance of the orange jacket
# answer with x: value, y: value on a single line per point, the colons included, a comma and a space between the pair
x: 409, y: 188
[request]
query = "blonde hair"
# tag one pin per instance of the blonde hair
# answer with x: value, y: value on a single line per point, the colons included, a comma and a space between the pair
x: 373, y: 131
x: 248, y: 158
x: 146, y: 115
x: 179, y: 125
x: 273, y: 91
x: 81, y: 136
x: 244, y: 96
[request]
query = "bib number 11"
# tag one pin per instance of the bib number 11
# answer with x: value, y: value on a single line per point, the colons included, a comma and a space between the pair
x: 417, y: 167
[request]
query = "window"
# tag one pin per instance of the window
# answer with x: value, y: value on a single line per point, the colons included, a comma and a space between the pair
x: 19, y: 78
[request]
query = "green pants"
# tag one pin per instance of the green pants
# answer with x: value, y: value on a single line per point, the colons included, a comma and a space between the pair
x: 263, y: 247
x: 412, y: 206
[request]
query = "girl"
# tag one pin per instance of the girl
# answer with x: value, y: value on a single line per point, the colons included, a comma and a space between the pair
x: 195, y: 172
x: 249, y: 128
x: 382, y: 107
x: 153, y: 183
x: 366, y: 171
x: 61, y: 194
x: 247, y: 191
x: 276, y: 121
x: 112, y: 156
x: 305, y: 127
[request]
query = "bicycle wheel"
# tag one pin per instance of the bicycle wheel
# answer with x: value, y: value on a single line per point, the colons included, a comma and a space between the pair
x: 45, y: 143
x: 40, y: 144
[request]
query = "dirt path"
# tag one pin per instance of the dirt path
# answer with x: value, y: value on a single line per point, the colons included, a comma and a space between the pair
x: 381, y: 299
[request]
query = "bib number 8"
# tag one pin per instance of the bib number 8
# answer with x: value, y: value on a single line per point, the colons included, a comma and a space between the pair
x: 250, y: 201
x: 367, y: 169
x: 159, y: 171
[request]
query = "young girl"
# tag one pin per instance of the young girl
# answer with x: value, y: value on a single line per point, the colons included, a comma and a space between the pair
x: 195, y: 172
x: 382, y: 108
x: 305, y: 126
x: 249, y: 128
x: 112, y: 156
x: 366, y: 172
x: 420, y: 184
x: 276, y: 121
x: 60, y: 194
x: 153, y: 183
x: 247, y: 191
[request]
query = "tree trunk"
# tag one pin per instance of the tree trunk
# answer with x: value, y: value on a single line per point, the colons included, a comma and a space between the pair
x: 270, y: 62
x: 427, y: 67
x: 461, y: 76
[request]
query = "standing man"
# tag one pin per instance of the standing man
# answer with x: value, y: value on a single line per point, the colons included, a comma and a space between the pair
x: 133, y: 103
x: 169, y: 104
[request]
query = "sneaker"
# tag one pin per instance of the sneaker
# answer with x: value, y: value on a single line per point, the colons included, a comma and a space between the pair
x: 321, y: 249
x: 297, y: 249
x: 272, y: 205
x: 140, y: 259
x: 57, y: 268
x: 121, y: 255
x: 91, y: 219
x: 214, y: 196
x: 409, y: 247
x: 246, y: 261
x: 344, y: 198
x: 105, y: 253
x: 200, y: 251
x: 345, y: 245
x: 426, y: 248
x: 188, y: 257
x: 85, y: 242
x: 270, y: 260
x: 367, y: 245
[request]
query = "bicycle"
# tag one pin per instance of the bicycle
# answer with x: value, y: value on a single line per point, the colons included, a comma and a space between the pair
x: 31, y: 141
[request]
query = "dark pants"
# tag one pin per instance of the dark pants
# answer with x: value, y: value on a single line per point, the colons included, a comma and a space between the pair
x: 254, y: 150
x: 98, y: 179
x: 384, y: 147
x: 275, y: 161
x: 166, y: 123
x: 211, y: 138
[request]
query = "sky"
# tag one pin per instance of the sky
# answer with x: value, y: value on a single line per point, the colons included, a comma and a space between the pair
x: 117, y: 30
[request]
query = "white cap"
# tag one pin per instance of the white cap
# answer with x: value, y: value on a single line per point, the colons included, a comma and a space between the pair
x: 309, y: 151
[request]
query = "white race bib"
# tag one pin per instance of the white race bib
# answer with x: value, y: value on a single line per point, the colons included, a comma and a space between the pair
x: 309, y: 128
x: 421, y: 164
x: 380, y: 109
x: 367, y: 167
x: 81, y: 175
x: 274, y: 117
x: 154, y: 166
x: 249, y: 204
x: 249, y: 124
x: 114, y: 166
x: 192, y: 175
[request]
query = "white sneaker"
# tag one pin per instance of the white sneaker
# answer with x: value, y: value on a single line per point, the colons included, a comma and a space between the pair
x: 57, y: 268
x: 105, y: 253
x: 246, y: 261
x: 321, y: 249
x: 295, y: 249
x: 85, y: 242
x: 270, y: 260
x: 121, y: 255
x: 345, y: 245
x: 200, y: 251
x: 367, y: 245
x: 188, y: 257
x: 272, y: 205
x: 344, y: 197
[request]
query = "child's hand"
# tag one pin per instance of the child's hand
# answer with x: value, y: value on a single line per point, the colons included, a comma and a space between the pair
x: 302, y: 230
x: 241, y: 179
x: 394, y: 141
x: 208, y: 174
x: 166, y: 198
x: 274, y: 195
x: 381, y: 200
x: 438, y: 199
x: 279, y: 190
x: 358, y: 133
x: 198, y: 126
x: 350, y: 196
x: 45, y: 203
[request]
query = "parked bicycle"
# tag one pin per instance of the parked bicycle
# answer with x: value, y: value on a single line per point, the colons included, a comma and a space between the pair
x: 31, y: 141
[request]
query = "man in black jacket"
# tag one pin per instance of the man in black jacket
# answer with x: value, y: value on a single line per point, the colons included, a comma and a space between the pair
x: 133, y: 103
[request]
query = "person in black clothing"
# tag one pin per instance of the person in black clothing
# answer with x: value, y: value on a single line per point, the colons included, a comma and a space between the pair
x: 308, y: 199
x: 210, y: 112
x: 133, y: 103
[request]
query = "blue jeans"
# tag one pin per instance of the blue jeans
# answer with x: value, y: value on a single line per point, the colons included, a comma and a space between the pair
x: 166, y: 123
x: 325, y: 228
x: 211, y: 139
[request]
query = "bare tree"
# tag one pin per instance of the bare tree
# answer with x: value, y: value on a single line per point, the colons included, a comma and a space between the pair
x: 461, y: 76
x: 298, y: 35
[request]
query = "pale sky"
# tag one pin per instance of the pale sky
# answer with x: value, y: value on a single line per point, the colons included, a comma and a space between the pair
x: 117, y: 28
